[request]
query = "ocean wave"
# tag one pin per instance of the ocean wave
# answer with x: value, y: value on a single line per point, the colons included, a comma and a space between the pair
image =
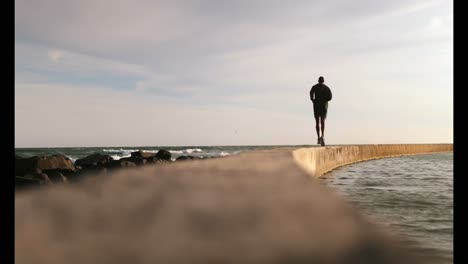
x: 129, y: 151
x: 224, y: 154
x: 152, y: 151
x: 120, y: 150
x: 117, y: 157
x: 73, y: 159
x: 193, y: 150
x: 188, y: 151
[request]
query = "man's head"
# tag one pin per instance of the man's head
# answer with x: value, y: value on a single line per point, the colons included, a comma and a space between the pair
x: 321, y: 80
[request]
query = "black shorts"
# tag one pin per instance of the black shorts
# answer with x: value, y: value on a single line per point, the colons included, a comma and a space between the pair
x: 320, y: 110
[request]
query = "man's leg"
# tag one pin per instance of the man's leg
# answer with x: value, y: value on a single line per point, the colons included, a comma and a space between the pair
x: 317, y: 128
x: 322, y: 122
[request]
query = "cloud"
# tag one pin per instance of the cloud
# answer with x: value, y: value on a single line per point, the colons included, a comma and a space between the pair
x: 225, y: 56
x: 55, y: 55
x: 137, y: 31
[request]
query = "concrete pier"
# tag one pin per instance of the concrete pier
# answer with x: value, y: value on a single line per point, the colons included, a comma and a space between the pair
x: 255, y: 207
x: 317, y: 161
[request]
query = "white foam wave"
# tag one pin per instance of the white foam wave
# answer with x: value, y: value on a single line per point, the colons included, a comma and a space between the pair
x: 73, y: 159
x: 193, y: 150
x: 124, y: 153
x: 120, y: 150
x: 117, y: 157
x: 150, y: 151
x: 224, y: 154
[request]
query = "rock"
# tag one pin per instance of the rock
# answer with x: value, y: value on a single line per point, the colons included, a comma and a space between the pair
x: 22, y: 182
x: 93, y: 160
x: 163, y: 155
x: 115, y: 164
x: 142, y: 154
x: 35, y: 164
x: 185, y: 158
x: 135, y: 160
x: 95, y: 171
x: 44, y: 178
x: 154, y: 160
x: 56, y: 177
x: 63, y: 172
x: 159, y: 161
x: 151, y: 159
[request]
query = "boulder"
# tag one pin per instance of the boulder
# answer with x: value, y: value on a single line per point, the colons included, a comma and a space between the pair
x: 135, y: 160
x: 22, y: 182
x: 42, y: 177
x: 159, y: 161
x: 151, y: 159
x: 56, y: 177
x: 115, y: 164
x: 37, y: 164
x: 142, y: 155
x: 93, y: 160
x: 63, y: 172
x: 163, y: 155
x: 185, y: 158
x: 95, y: 171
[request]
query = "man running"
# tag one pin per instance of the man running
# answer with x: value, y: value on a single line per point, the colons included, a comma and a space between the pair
x: 320, y: 94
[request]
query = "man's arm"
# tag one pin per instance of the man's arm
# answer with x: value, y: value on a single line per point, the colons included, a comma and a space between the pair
x: 312, y: 90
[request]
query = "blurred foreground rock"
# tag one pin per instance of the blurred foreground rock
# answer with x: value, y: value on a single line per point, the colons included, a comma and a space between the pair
x: 256, y: 207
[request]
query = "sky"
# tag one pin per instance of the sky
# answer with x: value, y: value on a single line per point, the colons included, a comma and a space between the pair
x: 199, y: 72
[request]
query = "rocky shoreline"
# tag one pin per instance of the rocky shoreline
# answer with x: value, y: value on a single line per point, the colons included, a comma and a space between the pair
x: 60, y: 169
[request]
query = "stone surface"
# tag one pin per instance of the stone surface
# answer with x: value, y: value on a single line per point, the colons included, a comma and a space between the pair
x: 92, y: 160
x: 142, y: 154
x: 185, y: 158
x: 87, y: 172
x: 135, y: 160
x: 115, y: 164
x: 163, y: 154
x: 26, y: 182
x: 56, y: 176
x: 34, y: 164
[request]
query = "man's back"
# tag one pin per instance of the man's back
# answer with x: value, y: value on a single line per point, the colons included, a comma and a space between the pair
x: 322, y: 93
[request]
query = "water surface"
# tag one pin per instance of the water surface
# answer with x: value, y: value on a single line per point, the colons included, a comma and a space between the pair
x: 412, y: 195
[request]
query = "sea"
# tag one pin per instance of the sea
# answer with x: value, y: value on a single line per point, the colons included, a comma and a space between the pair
x: 123, y: 152
x: 410, y: 195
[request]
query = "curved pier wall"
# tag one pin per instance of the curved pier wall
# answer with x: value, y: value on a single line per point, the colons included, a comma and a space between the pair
x: 319, y: 160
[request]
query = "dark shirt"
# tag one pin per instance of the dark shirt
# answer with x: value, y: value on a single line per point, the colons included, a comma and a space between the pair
x: 320, y: 94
